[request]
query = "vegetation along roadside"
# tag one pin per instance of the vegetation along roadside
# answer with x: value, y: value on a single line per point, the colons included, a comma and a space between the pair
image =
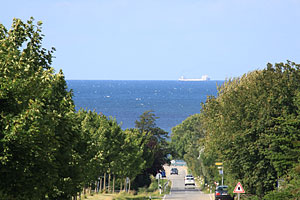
x: 252, y: 128
x: 50, y: 151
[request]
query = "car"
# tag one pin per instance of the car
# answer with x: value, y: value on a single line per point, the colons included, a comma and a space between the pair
x: 189, y: 175
x: 174, y: 171
x: 221, y: 193
x: 189, y: 180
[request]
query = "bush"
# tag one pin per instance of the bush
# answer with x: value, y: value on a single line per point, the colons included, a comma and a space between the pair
x: 248, y: 197
x: 142, y: 190
x: 278, y: 195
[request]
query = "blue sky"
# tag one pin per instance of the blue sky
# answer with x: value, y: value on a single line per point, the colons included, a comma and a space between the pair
x: 163, y: 39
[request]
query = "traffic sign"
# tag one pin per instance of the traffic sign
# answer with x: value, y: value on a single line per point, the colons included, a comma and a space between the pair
x: 219, y: 163
x: 158, y: 176
x: 238, y: 188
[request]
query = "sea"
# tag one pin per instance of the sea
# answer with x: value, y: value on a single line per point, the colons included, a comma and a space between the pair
x: 171, y: 101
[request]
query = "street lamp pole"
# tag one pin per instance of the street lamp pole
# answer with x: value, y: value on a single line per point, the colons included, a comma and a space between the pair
x: 220, y: 166
x: 222, y: 176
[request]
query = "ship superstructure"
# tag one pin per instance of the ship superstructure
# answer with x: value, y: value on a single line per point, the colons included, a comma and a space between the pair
x: 203, y: 78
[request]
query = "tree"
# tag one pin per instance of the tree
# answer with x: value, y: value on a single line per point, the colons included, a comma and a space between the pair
x: 186, y: 134
x: 107, y: 149
x: 252, y: 126
x: 156, y: 150
x: 131, y: 161
x: 38, y: 132
x: 188, y: 140
x: 289, y: 188
x: 91, y: 146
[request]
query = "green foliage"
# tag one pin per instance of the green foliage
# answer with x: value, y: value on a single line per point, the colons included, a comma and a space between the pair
x: 186, y: 134
x: 278, y: 195
x: 187, y: 140
x: 132, y: 151
x: 93, y: 130
x: 249, y: 197
x: 38, y: 133
x: 289, y: 188
x: 47, y: 150
x: 154, y: 185
x: 147, y: 121
x: 156, y: 148
x: 108, y: 149
x: 253, y: 126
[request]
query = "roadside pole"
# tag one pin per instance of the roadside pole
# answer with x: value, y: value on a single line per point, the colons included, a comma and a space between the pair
x: 222, y: 176
x: 159, y: 186
x: 220, y: 166
x: 158, y: 177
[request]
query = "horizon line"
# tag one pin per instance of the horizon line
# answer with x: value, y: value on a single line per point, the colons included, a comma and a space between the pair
x: 138, y: 80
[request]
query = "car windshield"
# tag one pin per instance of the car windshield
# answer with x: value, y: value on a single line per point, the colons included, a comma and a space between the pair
x: 222, y: 188
x: 190, y: 178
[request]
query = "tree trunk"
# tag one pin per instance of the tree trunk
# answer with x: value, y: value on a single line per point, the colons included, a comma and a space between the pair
x: 104, y: 183
x: 121, y: 185
x: 129, y: 183
x: 108, y: 187
x: 125, y: 185
x: 100, y: 188
x: 114, y: 184
x: 97, y: 186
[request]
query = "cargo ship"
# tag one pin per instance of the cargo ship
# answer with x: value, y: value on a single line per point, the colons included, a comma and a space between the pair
x: 203, y: 78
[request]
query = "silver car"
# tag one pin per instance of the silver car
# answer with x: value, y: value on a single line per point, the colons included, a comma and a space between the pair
x: 189, y: 180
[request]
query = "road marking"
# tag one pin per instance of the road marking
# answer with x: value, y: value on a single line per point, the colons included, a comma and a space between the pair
x: 164, y: 197
x: 210, y: 196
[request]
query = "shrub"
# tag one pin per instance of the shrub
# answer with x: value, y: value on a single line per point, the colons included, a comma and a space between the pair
x: 278, y: 195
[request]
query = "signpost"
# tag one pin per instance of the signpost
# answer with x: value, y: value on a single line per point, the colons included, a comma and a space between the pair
x: 238, y: 189
x: 220, y: 164
x: 158, y: 176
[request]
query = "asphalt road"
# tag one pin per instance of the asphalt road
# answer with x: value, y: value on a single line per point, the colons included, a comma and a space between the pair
x: 181, y: 192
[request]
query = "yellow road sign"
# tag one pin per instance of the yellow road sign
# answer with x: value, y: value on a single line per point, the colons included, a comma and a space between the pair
x: 219, y: 163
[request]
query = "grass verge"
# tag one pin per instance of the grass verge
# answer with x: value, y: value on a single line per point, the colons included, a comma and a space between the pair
x: 151, y: 192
